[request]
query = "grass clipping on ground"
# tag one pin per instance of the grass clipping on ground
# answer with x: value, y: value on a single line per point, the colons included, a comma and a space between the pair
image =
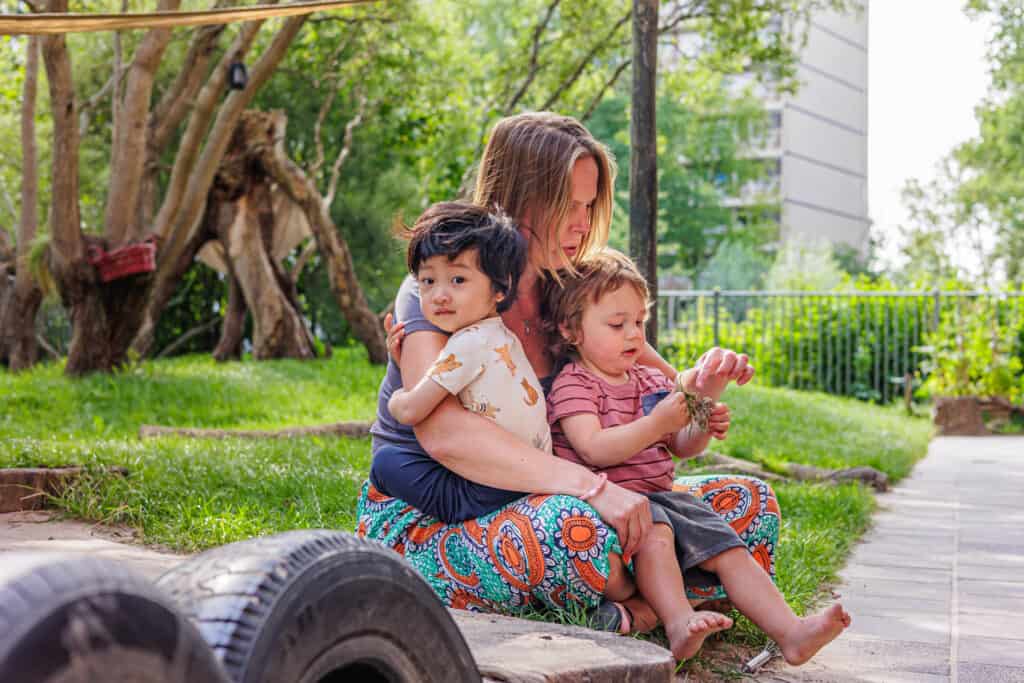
x: 194, y: 494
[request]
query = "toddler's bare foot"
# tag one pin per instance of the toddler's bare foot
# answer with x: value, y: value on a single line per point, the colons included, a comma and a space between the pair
x: 686, y: 636
x: 814, y: 633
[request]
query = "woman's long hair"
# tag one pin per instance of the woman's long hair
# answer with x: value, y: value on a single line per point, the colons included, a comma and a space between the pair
x: 526, y: 171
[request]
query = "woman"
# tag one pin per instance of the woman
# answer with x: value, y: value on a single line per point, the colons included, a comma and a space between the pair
x: 472, y: 530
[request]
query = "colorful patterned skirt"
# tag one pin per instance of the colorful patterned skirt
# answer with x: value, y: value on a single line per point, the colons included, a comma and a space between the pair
x: 547, y: 550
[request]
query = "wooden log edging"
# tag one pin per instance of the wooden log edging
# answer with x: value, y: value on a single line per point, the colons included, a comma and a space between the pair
x: 352, y: 430
x: 29, y: 488
x: 724, y: 464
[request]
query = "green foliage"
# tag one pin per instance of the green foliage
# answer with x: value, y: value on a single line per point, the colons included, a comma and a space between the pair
x: 735, y: 265
x: 804, y: 267
x: 977, y: 350
x: 201, y: 297
x: 859, y: 346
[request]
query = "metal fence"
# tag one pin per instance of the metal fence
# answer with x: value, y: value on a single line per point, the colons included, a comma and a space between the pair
x: 863, y: 344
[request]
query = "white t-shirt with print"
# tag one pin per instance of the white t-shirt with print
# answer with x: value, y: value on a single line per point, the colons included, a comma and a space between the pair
x: 485, y: 366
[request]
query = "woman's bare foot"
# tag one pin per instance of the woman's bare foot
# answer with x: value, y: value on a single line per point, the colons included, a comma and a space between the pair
x: 686, y: 636
x: 814, y: 633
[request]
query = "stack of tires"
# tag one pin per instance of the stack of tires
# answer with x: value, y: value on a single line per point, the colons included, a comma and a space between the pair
x: 302, y: 607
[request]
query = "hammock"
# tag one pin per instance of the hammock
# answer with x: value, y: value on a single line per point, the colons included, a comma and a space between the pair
x: 43, y: 24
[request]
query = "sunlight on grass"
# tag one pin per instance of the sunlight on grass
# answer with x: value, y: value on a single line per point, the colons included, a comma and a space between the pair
x: 191, y: 494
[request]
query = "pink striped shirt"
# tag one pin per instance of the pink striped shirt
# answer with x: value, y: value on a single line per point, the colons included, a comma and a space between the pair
x: 577, y: 390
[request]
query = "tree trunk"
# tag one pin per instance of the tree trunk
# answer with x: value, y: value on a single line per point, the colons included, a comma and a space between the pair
x: 18, y: 318
x: 230, y: 345
x: 245, y: 228
x: 344, y: 285
x: 643, y: 167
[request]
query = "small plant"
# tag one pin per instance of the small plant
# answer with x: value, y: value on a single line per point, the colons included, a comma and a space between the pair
x: 974, y: 352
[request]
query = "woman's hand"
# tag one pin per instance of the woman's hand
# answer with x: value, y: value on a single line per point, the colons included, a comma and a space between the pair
x: 395, y: 332
x: 628, y: 512
x: 718, y: 422
x: 717, y: 367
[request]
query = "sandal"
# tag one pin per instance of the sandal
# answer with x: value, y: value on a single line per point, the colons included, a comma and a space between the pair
x: 614, y: 617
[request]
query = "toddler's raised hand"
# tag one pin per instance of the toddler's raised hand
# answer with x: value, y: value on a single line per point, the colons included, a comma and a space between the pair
x: 671, y: 414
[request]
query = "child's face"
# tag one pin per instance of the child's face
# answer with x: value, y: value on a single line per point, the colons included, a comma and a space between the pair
x: 612, y: 331
x: 455, y: 294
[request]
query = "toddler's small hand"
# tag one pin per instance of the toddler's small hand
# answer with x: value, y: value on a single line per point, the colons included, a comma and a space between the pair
x: 671, y: 414
x: 718, y: 422
x: 395, y: 332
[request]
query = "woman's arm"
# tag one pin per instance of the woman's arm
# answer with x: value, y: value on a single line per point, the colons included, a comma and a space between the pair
x: 615, y: 445
x: 715, y: 369
x: 453, y: 436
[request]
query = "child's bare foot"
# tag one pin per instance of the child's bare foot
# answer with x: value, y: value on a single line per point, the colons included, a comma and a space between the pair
x: 686, y: 636
x: 814, y: 633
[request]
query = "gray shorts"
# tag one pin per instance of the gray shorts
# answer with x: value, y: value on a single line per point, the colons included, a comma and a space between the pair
x: 700, y: 533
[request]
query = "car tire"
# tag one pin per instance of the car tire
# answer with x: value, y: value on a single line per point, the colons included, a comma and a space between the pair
x: 74, y: 619
x: 316, y: 607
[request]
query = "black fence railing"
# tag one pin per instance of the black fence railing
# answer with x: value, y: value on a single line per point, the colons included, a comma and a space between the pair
x: 863, y: 344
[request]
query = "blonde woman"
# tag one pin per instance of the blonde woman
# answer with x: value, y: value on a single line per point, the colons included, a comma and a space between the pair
x: 490, y: 521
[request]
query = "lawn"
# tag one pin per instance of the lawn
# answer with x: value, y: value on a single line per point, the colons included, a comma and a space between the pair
x: 190, y: 494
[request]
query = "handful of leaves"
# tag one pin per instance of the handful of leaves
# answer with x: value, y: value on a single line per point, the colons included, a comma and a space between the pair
x: 698, y: 406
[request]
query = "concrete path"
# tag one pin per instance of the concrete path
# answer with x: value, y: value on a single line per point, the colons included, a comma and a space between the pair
x: 936, y: 588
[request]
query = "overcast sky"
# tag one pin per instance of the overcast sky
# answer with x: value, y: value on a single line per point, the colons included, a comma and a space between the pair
x: 926, y: 72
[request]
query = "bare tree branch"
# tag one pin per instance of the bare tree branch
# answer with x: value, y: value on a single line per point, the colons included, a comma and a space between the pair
x: 46, y: 346
x: 184, y: 216
x: 29, y: 220
x: 598, y: 45
x: 605, y: 88
x: 325, y: 108
x: 66, y: 237
x: 682, y: 13
x: 86, y: 107
x: 345, y: 151
x: 130, y: 129
x: 184, y: 339
x: 534, y: 67
x: 176, y: 101
x: 198, y: 124
x: 8, y: 198
x: 303, y: 259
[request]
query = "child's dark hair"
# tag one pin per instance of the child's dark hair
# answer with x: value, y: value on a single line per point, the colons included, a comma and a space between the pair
x: 450, y: 228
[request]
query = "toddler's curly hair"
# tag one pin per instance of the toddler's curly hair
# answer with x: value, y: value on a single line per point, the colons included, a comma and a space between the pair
x: 563, y: 303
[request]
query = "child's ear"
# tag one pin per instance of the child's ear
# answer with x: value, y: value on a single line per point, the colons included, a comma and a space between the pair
x: 499, y: 296
x: 566, y: 333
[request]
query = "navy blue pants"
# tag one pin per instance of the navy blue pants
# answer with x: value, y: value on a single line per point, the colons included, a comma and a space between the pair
x: 430, y: 487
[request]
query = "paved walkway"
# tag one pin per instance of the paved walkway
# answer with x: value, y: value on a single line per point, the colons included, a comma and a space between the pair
x: 936, y: 588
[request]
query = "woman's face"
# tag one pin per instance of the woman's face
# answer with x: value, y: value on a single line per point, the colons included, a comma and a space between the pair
x: 566, y: 242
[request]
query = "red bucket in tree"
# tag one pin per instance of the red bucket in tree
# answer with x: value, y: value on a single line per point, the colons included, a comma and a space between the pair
x: 130, y: 259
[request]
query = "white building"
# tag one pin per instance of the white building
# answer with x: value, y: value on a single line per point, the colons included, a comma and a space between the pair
x: 823, y: 140
x: 818, y: 138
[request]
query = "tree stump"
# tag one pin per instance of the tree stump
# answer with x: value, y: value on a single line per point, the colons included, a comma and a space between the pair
x: 959, y: 416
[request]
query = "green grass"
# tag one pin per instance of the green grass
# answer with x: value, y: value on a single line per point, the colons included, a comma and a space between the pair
x: 782, y: 425
x: 190, y: 494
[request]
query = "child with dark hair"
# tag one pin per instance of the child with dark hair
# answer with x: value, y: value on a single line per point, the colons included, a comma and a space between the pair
x: 467, y: 262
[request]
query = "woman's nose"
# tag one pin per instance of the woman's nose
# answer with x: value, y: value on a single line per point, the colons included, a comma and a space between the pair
x: 579, y: 221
